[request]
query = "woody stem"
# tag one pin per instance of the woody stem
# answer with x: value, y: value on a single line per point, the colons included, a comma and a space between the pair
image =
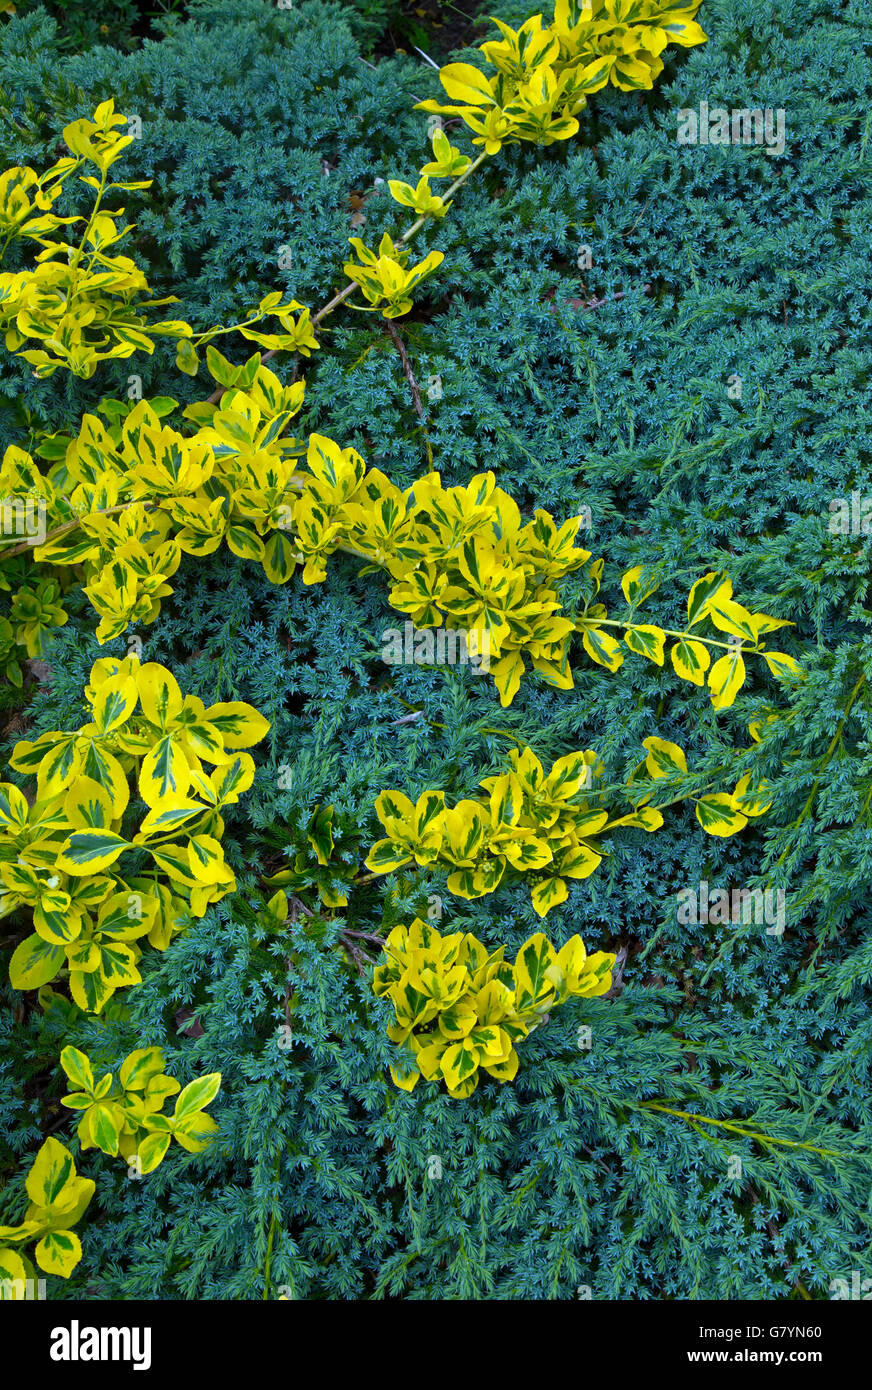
x: 342, y: 295
x: 670, y: 632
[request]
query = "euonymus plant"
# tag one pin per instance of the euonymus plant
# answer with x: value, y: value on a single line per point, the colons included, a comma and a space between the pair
x: 117, y: 846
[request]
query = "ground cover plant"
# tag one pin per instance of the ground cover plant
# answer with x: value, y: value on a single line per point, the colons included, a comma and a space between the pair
x: 435, y: 521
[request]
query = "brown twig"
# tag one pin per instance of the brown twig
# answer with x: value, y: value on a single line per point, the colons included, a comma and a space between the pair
x: 70, y: 526
x: 341, y: 296
x: 602, y: 1163
x: 296, y: 908
x: 407, y: 718
x: 778, y: 1245
x: 407, y: 368
x: 618, y: 974
x: 609, y: 299
x: 638, y: 219
x: 410, y: 378
x: 360, y: 959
